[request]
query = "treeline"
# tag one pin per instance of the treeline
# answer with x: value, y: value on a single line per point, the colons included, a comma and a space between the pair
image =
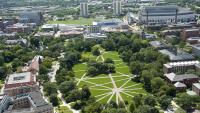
x: 97, y: 68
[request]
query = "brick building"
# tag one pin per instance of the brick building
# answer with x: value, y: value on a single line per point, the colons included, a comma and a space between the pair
x: 187, y: 79
x: 187, y: 33
x: 20, y: 83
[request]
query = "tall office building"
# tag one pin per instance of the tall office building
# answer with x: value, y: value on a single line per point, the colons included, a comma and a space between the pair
x: 117, y: 7
x: 84, y: 9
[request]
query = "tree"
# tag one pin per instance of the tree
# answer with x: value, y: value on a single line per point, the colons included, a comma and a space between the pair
x: 146, y: 109
x: 73, y: 95
x: 43, y: 78
x: 92, y: 71
x: 146, y: 78
x: 109, y: 60
x: 135, y: 67
x: 165, y: 102
x: 1, y: 60
x: 50, y: 88
x: 150, y: 100
x: 85, y: 92
x: 157, y: 83
x: 35, y: 42
x: 77, y: 105
x: 66, y: 86
x: 109, y: 45
x: 63, y: 75
x: 132, y: 107
x: 92, y: 108
x: 137, y: 100
x: 121, y: 104
x: 54, y: 99
x: 95, y: 51
x: 126, y: 55
x: 185, y: 101
x: 43, y: 69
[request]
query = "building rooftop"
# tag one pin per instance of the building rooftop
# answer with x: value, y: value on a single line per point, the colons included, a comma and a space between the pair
x: 20, y: 79
x: 157, y: 44
x: 177, y: 55
x: 165, y: 10
x: 178, y: 78
x: 196, y: 46
x: 37, y: 103
x: 183, y: 63
x: 197, y: 85
x: 95, y: 36
x: 37, y: 98
x: 179, y: 85
x: 191, y: 29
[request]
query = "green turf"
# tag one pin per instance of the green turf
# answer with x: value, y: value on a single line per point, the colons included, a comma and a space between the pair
x: 101, y: 85
x: 89, y: 55
x: 63, y: 109
x: 112, y: 55
x: 99, y: 80
x: 79, y: 74
x: 79, y: 67
x: 123, y: 70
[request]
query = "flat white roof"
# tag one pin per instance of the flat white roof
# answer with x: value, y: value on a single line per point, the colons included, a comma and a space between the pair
x: 185, y: 63
x: 197, y: 85
x: 19, y: 78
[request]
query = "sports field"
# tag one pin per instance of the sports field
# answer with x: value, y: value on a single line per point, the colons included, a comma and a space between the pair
x: 117, y: 86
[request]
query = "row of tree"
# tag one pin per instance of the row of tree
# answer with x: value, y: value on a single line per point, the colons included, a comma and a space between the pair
x: 96, y: 68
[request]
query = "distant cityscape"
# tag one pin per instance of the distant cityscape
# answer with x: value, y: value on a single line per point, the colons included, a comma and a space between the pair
x: 100, y: 56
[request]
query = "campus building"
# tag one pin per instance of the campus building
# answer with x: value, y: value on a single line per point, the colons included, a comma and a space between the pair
x: 32, y: 102
x: 5, y: 101
x: 94, y: 29
x: 181, y: 66
x: 177, y: 55
x: 158, y: 45
x: 196, y: 49
x: 187, y: 33
x: 84, y: 9
x: 187, y: 79
x: 117, y: 7
x: 20, y: 83
x: 31, y: 17
x: 164, y: 15
x: 196, y: 88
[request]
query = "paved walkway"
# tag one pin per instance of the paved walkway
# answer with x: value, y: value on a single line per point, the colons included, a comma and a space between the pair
x: 55, y: 68
x: 66, y: 104
x: 116, y: 90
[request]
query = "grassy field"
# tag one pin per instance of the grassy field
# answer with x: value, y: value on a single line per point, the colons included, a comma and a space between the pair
x: 63, y: 109
x: 102, y: 86
x: 80, y: 21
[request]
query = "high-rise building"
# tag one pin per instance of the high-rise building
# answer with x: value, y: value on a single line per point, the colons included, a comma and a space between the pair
x: 117, y: 7
x: 84, y: 9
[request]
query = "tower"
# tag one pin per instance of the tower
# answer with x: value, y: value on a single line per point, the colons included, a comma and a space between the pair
x: 84, y: 9
x: 117, y: 7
